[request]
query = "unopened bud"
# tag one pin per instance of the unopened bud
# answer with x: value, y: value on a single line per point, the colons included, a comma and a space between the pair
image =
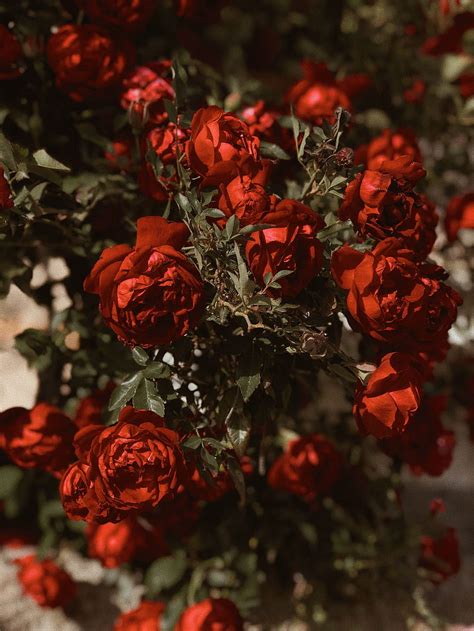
x: 314, y: 343
x: 138, y: 116
x: 344, y: 157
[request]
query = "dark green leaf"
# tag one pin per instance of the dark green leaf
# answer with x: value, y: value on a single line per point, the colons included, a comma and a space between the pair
x: 10, y: 477
x: 165, y: 573
x: 140, y: 356
x: 125, y: 391
x: 271, y: 150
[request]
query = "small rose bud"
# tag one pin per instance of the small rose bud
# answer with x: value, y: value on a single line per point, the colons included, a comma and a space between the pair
x: 344, y: 157
x: 138, y: 116
x: 314, y: 343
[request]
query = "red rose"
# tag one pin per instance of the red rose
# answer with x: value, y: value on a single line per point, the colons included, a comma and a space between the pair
x: 45, y: 582
x: 91, y: 408
x: 450, y: 41
x: 73, y: 490
x: 466, y: 85
x: 150, y: 295
x: 387, y: 403
x: 129, y: 15
x: 390, y: 145
x: 88, y: 63
x: 219, y: 137
x: 394, y: 299
x: 440, y: 556
x: 41, y: 437
x: 245, y: 194
x: 425, y: 445
x: 167, y: 142
x: 127, y: 467
x: 212, y: 614
x: 10, y: 54
x: 146, y: 617
x: 416, y: 91
x: 318, y: 95
x: 119, y: 156
x: 263, y: 123
x: 148, y: 87
x: 290, y: 245
x: 6, y: 198
x: 459, y: 215
x: 309, y: 467
x: 381, y: 203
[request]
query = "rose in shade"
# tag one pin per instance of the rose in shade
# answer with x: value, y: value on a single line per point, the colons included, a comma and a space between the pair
x: 129, y: 15
x: 459, y: 215
x: 88, y: 62
x: 425, y: 444
x: 45, y: 582
x: 390, y: 145
x: 309, y: 467
x: 440, y: 556
x: 10, y: 54
x: 146, y: 88
x: 41, y: 437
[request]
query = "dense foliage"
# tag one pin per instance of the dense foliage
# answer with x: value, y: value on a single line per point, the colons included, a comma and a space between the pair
x: 247, y: 199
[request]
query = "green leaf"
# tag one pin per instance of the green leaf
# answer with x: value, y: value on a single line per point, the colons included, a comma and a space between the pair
x: 125, y: 391
x: 146, y: 398
x: 10, y: 477
x: 165, y: 573
x: 271, y: 150
x: 140, y: 356
x: 157, y: 370
x: 238, y: 431
x: 6, y: 153
x: 36, y: 346
x: 248, y: 373
x: 44, y: 160
x: 193, y: 442
x: 232, y: 226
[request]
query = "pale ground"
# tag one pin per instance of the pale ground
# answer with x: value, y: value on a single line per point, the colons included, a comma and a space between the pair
x: 453, y: 600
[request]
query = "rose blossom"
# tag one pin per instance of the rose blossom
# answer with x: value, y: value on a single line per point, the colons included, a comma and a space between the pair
x: 146, y: 88
x: 90, y: 409
x: 212, y: 614
x: 40, y: 437
x: 381, y: 203
x: 45, y: 582
x: 145, y: 617
x: 440, y: 556
x: 459, y: 215
x: 290, y: 245
x: 129, y: 15
x: 390, y: 145
x: 218, y: 140
x: 394, y: 299
x: 425, y: 445
x: 150, y: 295
x: 88, y: 62
x: 131, y: 466
x: 309, y: 467
x: 10, y: 54
x: 392, y: 395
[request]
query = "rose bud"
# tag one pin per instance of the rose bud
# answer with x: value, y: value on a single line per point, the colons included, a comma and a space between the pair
x: 211, y: 614
x: 45, y: 582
